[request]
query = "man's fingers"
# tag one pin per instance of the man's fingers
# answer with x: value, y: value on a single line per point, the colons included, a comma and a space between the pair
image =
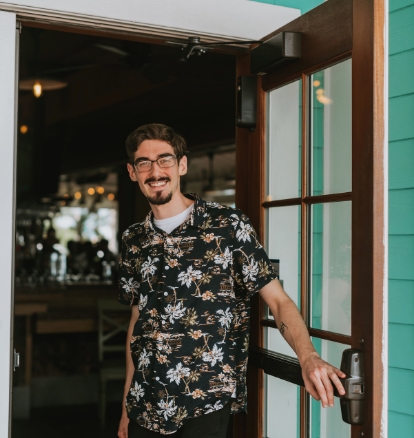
x: 337, y: 382
x: 328, y: 388
x: 320, y: 378
x: 320, y: 387
x: 312, y: 391
x: 339, y: 372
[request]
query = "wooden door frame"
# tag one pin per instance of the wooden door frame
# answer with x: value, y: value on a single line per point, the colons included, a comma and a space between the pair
x: 362, y: 33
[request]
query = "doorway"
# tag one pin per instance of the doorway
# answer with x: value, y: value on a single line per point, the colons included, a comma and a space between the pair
x: 80, y: 96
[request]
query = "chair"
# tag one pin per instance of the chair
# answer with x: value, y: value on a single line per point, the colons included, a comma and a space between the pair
x: 113, y: 321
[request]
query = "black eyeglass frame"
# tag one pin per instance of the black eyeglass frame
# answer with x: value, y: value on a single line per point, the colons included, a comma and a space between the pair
x: 140, y: 160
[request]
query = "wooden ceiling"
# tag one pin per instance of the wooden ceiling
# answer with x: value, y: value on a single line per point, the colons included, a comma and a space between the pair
x: 115, y: 86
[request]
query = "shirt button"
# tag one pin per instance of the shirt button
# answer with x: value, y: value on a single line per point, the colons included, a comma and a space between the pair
x: 165, y: 294
x: 163, y: 322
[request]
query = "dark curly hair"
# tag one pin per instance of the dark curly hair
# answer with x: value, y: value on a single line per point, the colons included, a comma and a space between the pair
x: 155, y: 131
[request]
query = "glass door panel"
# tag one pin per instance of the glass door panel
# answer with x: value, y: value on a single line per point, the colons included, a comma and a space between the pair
x: 327, y: 422
x: 283, y: 244
x: 331, y: 267
x: 284, y: 142
x: 331, y: 129
x: 282, y: 414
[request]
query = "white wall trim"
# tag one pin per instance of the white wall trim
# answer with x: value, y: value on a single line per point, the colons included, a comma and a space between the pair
x: 215, y: 20
x: 384, y: 415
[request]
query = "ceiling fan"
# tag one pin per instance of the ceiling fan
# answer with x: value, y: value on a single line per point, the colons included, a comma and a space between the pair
x: 194, y: 46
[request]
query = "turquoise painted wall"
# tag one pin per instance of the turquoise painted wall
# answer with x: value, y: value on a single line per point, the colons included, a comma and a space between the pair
x: 303, y: 5
x: 401, y: 219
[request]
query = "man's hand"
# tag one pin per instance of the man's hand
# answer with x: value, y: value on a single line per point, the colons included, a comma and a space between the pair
x: 319, y: 376
x: 123, y: 426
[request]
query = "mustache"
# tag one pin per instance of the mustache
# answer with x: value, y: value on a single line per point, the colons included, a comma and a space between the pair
x: 152, y: 179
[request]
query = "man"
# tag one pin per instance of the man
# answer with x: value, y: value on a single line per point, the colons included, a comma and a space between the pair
x: 188, y: 271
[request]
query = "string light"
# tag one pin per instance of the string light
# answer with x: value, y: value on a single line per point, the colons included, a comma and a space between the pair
x: 91, y: 191
x: 100, y: 190
x: 24, y: 129
x: 78, y: 195
x: 111, y: 196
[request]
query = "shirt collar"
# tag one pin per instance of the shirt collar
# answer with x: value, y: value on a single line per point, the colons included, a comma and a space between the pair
x: 196, y: 219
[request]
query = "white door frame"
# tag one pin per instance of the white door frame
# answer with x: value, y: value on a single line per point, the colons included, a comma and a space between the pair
x: 8, y: 128
x: 215, y: 20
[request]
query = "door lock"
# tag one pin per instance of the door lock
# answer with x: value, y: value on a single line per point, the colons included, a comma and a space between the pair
x: 352, y: 402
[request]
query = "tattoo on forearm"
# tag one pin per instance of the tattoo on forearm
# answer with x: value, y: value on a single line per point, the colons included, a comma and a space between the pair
x: 282, y: 328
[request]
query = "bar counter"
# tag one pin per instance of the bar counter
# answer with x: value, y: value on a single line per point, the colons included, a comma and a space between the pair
x: 69, y: 309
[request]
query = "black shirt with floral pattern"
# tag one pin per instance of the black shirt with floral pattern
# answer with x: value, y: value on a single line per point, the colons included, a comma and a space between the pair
x: 193, y: 288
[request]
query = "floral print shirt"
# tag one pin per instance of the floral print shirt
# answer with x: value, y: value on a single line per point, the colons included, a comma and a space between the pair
x: 193, y: 287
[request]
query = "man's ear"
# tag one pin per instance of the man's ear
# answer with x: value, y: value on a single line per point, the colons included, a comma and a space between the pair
x: 131, y: 172
x: 182, y: 166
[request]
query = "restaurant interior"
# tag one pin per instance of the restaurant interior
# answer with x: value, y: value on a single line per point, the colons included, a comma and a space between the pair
x: 80, y: 95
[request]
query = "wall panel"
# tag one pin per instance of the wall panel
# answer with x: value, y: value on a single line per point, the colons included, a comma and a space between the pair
x: 401, y: 164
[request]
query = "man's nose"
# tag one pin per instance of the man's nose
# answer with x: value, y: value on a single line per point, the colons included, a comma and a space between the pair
x: 155, y: 169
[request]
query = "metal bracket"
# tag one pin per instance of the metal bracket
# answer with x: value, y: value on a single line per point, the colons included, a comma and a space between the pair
x: 16, y: 360
x: 277, y: 51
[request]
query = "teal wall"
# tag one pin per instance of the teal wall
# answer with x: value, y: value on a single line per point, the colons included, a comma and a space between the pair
x: 303, y: 5
x: 401, y: 218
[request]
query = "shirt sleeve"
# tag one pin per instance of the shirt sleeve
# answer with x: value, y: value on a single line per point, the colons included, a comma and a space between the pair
x: 128, y: 284
x: 251, y: 264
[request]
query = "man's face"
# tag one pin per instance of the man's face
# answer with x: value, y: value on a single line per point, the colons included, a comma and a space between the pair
x: 158, y: 184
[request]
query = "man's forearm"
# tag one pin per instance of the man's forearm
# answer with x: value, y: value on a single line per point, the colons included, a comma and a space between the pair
x: 289, y: 321
x: 292, y: 327
x: 129, y: 371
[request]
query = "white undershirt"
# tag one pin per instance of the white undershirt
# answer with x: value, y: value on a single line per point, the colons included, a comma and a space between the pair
x: 171, y: 223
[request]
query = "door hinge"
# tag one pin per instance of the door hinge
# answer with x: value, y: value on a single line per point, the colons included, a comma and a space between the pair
x: 16, y: 360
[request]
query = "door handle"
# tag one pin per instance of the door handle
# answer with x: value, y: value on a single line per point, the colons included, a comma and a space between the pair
x: 352, y: 402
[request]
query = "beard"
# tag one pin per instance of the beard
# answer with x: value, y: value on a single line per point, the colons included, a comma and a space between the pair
x: 159, y: 198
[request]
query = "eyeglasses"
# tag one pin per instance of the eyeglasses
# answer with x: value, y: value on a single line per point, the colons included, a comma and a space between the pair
x: 165, y: 161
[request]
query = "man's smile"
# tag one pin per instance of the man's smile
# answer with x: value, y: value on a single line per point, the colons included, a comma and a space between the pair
x: 154, y: 183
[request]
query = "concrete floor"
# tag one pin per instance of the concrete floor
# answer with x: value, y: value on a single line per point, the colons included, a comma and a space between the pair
x: 80, y: 421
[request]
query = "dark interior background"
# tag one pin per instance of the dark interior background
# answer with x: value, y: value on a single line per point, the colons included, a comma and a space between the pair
x: 113, y: 87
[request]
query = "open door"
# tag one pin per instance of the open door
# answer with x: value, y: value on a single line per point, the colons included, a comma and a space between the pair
x: 311, y: 178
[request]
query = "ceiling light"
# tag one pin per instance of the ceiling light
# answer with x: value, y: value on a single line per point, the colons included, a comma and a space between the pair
x: 91, y: 191
x: 78, y: 195
x: 100, y: 190
x: 111, y: 196
x: 24, y: 129
x: 37, y: 89
x: 39, y: 85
